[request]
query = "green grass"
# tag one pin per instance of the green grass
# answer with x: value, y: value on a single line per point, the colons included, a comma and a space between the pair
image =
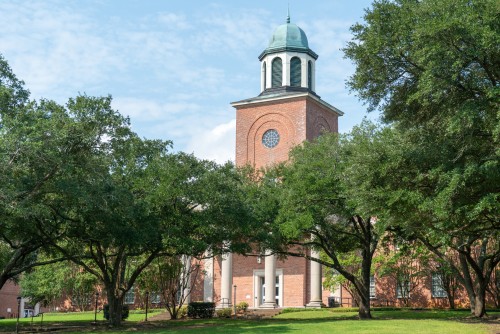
x: 70, y: 318
x: 315, y: 322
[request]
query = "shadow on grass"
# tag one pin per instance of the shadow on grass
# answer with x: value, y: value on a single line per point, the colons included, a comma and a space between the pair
x: 280, y: 324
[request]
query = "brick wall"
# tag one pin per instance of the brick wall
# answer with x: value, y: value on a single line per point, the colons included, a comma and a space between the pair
x: 8, y: 299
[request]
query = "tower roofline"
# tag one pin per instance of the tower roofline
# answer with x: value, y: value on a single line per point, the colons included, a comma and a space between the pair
x: 271, y: 98
x: 308, y: 51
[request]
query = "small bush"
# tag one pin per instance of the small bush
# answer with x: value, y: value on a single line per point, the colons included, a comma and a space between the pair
x: 183, y: 310
x: 125, y: 311
x: 224, y: 313
x: 242, y: 307
x: 201, y: 310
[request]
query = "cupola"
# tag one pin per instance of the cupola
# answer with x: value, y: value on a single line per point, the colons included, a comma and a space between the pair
x: 287, y: 63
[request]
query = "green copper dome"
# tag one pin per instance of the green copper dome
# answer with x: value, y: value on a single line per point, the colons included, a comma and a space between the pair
x: 288, y: 37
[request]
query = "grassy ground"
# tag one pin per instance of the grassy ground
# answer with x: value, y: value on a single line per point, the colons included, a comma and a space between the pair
x: 73, y: 318
x: 316, y: 322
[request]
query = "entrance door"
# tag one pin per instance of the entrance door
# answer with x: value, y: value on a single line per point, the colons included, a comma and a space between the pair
x: 263, y: 290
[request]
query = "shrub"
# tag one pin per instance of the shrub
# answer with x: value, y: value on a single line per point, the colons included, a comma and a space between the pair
x: 183, y: 310
x: 242, y: 307
x: 224, y: 313
x: 125, y: 311
x: 201, y: 310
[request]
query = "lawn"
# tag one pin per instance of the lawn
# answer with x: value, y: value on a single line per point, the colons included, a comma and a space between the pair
x: 72, y: 318
x: 315, y: 322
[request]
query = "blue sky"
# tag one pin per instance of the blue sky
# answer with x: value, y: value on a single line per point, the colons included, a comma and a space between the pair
x: 173, y: 66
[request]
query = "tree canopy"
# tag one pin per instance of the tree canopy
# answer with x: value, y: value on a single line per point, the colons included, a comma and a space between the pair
x: 432, y: 69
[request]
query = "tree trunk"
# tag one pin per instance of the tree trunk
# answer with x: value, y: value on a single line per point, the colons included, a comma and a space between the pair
x: 115, y: 308
x: 364, y: 308
x: 469, y: 287
x: 451, y: 300
x: 364, y: 291
x: 480, y: 302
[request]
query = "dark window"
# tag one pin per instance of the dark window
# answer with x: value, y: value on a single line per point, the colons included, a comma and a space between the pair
x: 403, y: 287
x: 277, y: 68
x: 295, y: 72
x: 437, y: 288
x: 129, y: 296
x: 372, y: 286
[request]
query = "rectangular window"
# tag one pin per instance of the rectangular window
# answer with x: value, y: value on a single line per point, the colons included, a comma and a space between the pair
x: 372, y: 286
x: 155, y: 298
x: 129, y: 296
x: 437, y: 288
x: 403, y: 287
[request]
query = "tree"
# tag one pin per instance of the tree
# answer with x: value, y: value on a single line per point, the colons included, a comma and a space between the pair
x: 432, y: 68
x: 49, y: 283
x: 173, y: 279
x: 81, y: 184
x: 494, y: 288
x: 131, y: 201
x: 38, y: 144
x: 407, y: 263
x: 448, y: 279
x: 320, y: 208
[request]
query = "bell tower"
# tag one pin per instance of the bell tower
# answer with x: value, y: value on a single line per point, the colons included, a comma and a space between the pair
x: 287, y: 111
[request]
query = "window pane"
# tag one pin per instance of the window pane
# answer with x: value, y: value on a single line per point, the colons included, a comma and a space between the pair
x: 403, y: 288
x: 129, y: 296
x: 437, y: 288
x: 277, y: 73
x: 372, y: 286
x: 295, y: 72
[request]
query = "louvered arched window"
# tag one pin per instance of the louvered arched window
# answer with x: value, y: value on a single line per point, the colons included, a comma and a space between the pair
x: 295, y: 72
x: 309, y: 75
x: 277, y: 74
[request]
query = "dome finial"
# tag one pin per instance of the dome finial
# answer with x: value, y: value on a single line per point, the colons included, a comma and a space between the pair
x: 288, y: 14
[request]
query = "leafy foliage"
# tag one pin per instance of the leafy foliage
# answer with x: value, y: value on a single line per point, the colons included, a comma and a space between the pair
x: 203, y: 310
x: 321, y: 203
x: 432, y: 69
x: 47, y: 284
x: 173, y: 278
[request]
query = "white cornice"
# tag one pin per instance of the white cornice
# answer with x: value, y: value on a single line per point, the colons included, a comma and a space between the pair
x: 264, y: 99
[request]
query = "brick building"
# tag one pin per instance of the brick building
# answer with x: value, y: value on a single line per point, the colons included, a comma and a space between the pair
x: 285, y: 113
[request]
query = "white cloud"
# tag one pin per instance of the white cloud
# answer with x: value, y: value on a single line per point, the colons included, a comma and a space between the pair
x: 216, y: 144
x: 173, y: 72
x: 150, y: 110
x: 172, y: 20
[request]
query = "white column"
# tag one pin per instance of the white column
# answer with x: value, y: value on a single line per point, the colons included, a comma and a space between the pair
x: 303, y: 71
x: 316, y: 281
x: 186, y: 279
x: 208, y: 280
x: 263, y: 74
x: 286, y: 69
x: 226, y: 280
x: 269, y: 74
x: 270, y: 278
x: 313, y: 78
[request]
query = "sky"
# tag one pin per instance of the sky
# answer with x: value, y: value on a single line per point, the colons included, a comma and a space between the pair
x: 174, y: 67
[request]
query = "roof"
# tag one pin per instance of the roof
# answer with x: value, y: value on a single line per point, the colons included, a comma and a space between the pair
x: 288, y: 37
x: 287, y: 95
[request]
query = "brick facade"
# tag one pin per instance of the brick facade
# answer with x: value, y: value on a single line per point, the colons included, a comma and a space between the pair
x: 296, y: 118
x: 8, y: 300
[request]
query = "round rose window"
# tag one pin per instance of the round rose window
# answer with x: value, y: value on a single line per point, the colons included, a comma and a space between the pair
x: 271, y: 138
